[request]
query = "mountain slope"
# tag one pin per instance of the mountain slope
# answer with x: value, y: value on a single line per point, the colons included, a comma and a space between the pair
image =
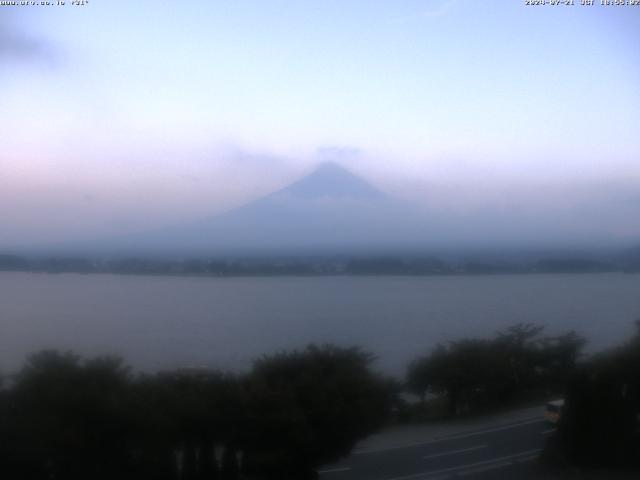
x: 331, y: 208
x: 331, y: 180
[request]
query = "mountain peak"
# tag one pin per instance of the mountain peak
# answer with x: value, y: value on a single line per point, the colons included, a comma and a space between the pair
x: 330, y: 167
x: 330, y: 179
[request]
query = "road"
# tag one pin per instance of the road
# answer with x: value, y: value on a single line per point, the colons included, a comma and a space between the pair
x: 491, y: 451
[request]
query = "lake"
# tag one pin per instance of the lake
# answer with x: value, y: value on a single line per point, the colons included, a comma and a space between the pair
x: 167, y: 322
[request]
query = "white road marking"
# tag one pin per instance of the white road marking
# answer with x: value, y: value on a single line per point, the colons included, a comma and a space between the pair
x: 397, y: 447
x: 527, y: 459
x: 504, y: 461
x: 446, y: 438
x: 493, y: 466
x: 489, y: 430
x: 547, y: 432
x: 334, y: 470
x: 453, y: 452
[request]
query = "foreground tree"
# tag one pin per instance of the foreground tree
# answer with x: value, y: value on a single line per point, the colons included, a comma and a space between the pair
x: 66, y: 418
x: 480, y: 373
x: 600, y: 422
x: 181, y: 417
x: 310, y: 407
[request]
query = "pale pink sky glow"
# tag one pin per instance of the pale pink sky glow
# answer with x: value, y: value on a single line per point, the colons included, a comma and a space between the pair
x: 123, y: 116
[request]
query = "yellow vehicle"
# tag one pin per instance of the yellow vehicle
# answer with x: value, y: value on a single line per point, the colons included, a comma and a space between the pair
x: 553, y: 410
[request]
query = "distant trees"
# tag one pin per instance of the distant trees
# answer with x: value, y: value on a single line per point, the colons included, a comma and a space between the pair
x: 396, y: 266
x: 322, y: 264
x: 67, y: 418
x: 573, y: 265
x: 13, y: 262
x: 477, y: 373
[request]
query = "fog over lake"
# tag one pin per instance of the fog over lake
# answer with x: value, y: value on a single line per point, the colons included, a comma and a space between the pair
x: 168, y: 322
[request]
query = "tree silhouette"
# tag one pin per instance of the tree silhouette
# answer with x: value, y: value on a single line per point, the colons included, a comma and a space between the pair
x: 477, y: 373
x: 310, y: 407
x: 599, y: 425
x: 68, y: 418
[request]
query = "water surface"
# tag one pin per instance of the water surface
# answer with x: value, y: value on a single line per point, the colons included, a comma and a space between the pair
x: 165, y: 322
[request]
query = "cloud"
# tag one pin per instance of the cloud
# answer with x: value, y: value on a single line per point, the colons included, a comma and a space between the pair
x: 16, y: 45
x: 432, y: 9
x: 438, y: 10
x: 337, y: 152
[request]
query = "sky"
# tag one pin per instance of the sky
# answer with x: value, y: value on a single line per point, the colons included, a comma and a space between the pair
x: 120, y: 116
